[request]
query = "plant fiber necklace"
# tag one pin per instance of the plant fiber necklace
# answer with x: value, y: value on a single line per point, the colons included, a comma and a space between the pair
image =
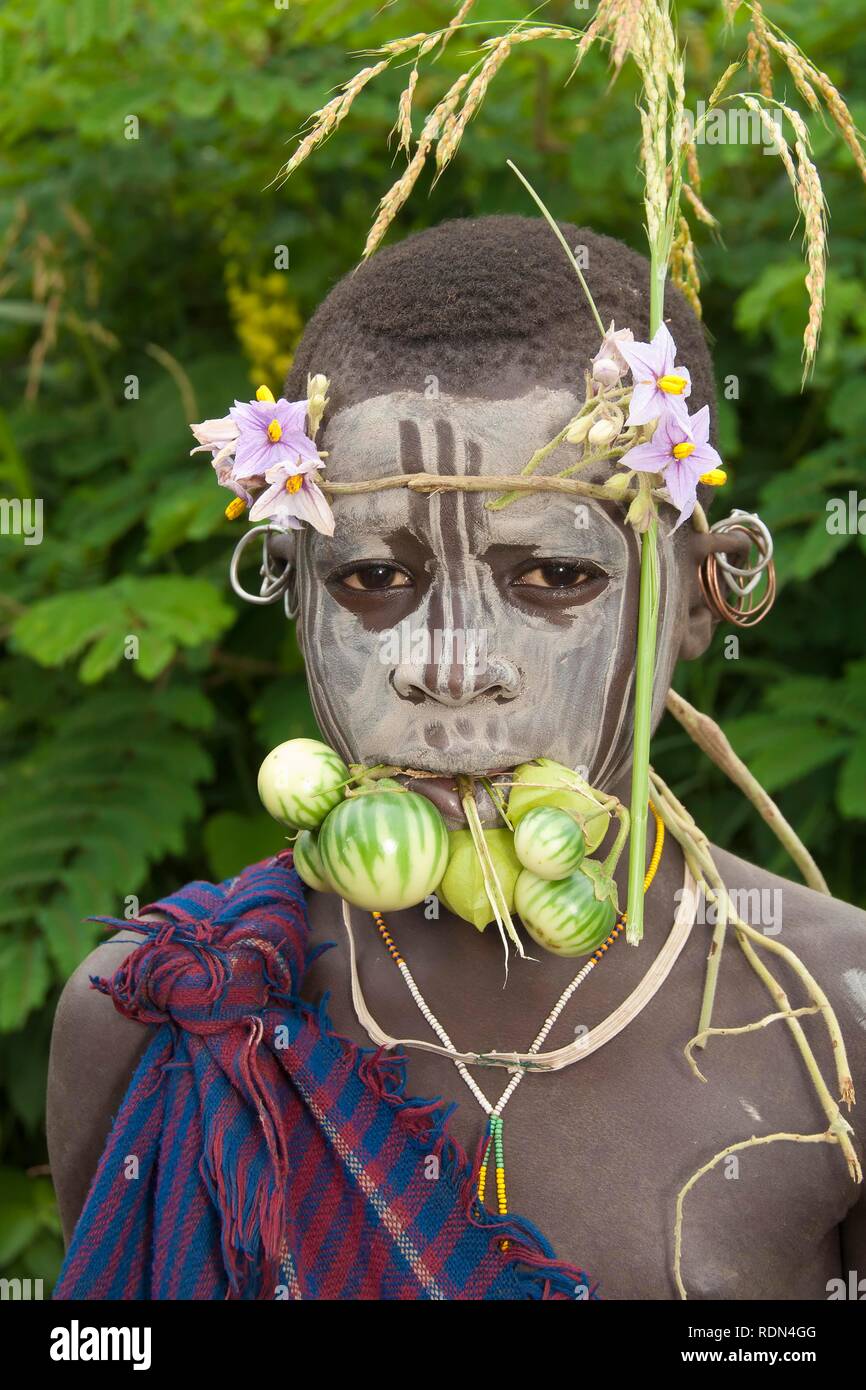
x: 494, y: 1139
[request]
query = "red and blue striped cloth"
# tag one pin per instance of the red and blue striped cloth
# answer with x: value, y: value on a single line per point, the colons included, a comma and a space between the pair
x: 257, y: 1155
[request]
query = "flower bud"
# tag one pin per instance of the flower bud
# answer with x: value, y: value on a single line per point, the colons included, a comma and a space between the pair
x: 617, y: 486
x: 609, y: 366
x: 578, y: 431
x: 605, y: 371
x: 640, y: 512
x: 317, y: 399
x: 602, y: 432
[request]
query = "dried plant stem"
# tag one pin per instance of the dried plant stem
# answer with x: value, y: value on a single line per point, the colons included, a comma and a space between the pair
x: 759, y: 52
x: 810, y: 81
x: 699, y: 857
x: 700, y: 1039
x: 492, y: 885
x: 748, y: 938
x: 329, y: 117
x: 706, y: 733
x: 436, y: 482
x: 399, y: 192
x: 696, y: 850
x: 809, y: 195
x: 754, y: 1142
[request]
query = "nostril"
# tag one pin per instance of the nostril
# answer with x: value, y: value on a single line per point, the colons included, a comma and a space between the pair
x: 456, y: 685
x: 406, y: 686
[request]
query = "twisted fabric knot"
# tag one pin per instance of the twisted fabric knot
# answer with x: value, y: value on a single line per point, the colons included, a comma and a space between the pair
x: 222, y: 956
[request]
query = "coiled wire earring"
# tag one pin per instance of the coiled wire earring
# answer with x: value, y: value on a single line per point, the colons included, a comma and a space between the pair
x: 278, y: 577
x: 734, y: 591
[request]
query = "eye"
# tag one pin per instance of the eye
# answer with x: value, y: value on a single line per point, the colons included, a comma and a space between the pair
x: 374, y: 577
x: 560, y: 575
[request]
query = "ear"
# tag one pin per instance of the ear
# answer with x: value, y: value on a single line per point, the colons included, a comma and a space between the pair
x: 282, y: 555
x: 282, y: 546
x: 701, y: 620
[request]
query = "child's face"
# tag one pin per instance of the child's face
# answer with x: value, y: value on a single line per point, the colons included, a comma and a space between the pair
x: 442, y: 636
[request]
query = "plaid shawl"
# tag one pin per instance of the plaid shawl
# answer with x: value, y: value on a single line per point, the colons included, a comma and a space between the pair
x: 257, y: 1155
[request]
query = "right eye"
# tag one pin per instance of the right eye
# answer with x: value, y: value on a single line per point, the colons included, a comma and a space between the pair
x: 374, y: 578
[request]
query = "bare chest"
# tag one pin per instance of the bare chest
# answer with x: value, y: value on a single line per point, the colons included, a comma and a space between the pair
x: 597, y: 1154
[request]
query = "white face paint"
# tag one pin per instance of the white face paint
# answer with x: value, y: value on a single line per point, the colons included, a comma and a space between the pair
x: 475, y: 656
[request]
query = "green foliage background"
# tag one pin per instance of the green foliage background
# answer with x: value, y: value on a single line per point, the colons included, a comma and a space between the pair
x: 153, y: 258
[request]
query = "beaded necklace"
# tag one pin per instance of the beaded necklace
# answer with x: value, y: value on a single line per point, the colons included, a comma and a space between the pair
x: 493, y: 1136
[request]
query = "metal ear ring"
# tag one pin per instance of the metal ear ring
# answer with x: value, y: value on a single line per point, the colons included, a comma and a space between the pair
x: 276, y: 580
x: 732, y: 591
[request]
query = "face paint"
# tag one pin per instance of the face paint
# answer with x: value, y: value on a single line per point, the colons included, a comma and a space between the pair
x: 447, y: 638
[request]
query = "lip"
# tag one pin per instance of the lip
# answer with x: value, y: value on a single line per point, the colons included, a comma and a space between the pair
x: 442, y: 791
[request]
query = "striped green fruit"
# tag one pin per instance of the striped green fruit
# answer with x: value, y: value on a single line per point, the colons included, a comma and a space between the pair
x: 549, y: 842
x: 308, y: 862
x: 563, y: 915
x: 546, y: 783
x: 462, y: 888
x: 301, y: 781
x: 385, y: 849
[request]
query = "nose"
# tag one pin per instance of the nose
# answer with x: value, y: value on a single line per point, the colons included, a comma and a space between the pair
x: 456, y: 679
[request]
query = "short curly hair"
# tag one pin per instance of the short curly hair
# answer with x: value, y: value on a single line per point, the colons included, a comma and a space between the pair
x: 489, y: 306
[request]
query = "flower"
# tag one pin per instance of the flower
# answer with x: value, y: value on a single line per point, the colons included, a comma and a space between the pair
x: 270, y: 432
x: 609, y: 365
x: 262, y: 447
x: 659, y: 387
x: 292, y: 497
x: 680, y: 451
x: 215, y: 435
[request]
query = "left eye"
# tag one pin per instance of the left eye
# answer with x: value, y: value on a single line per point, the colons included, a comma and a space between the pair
x: 559, y: 574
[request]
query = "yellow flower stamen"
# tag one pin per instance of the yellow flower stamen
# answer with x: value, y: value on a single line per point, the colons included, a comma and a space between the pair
x: 682, y: 451
x: 717, y: 477
x: 235, y: 508
x: 275, y: 431
x: 293, y: 484
x: 673, y: 385
x: 264, y: 393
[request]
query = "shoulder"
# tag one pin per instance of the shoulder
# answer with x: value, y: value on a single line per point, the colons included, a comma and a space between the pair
x: 826, y: 932
x: 827, y: 935
x: 94, y: 1052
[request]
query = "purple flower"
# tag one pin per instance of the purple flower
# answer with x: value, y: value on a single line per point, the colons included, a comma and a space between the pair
x: 659, y: 387
x: 270, y: 433
x: 680, y: 451
x: 293, y: 497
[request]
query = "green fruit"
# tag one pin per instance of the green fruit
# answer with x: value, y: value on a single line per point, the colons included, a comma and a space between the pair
x: 549, y: 842
x: 563, y: 915
x: 301, y: 781
x: 385, y: 849
x: 308, y: 862
x: 462, y: 888
x: 546, y: 783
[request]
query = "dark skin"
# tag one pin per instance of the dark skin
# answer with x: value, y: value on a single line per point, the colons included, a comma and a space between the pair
x: 596, y: 1153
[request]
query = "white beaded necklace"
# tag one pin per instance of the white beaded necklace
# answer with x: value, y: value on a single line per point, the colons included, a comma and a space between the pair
x: 493, y: 1136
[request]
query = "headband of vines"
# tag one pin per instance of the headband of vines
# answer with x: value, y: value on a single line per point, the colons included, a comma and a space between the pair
x: 635, y: 415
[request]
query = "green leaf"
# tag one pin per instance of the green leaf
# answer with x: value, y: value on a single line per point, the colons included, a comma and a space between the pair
x: 232, y: 841
x: 851, y: 794
x: 257, y: 97
x: 816, y: 550
x: 23, y: 980
x: 780, y: 750
x: 160, y: 613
